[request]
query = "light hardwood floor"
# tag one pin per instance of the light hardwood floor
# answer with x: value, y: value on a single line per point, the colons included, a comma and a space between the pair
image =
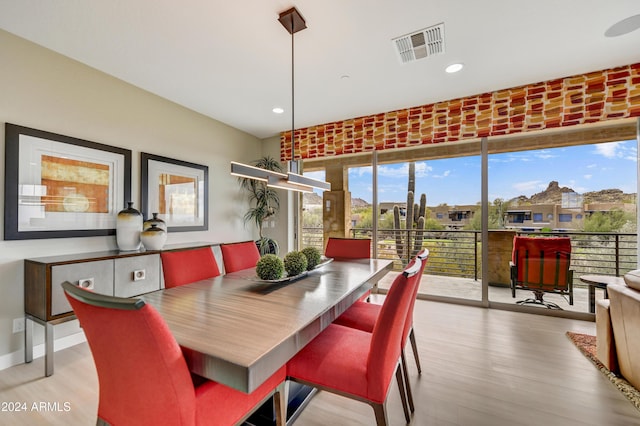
x: 480, y: 367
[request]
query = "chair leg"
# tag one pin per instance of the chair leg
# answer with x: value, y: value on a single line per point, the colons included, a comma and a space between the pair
x: 280, y: 404
x: 381, y: 414
x: 405, y: 373
x: 403, y: 395
x: 414, y: 346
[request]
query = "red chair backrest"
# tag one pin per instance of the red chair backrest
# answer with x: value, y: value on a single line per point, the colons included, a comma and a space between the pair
x: 188, y: 266
x: 143, y: 376
x: 423, y: 255
x: 348, y: 248
x: 543, y: 261
x: 238, y: 256
x: 384, y: 351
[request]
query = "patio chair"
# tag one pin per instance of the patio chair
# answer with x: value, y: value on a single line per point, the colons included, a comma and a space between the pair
x: 541, y: 265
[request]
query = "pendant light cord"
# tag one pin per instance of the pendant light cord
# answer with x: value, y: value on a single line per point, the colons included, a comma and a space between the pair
x: 293, y: 128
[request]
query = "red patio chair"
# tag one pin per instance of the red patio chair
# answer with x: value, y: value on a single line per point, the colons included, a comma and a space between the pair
x: 541, y: 265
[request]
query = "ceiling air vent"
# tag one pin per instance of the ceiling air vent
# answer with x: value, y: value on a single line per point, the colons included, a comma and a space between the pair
x: 420, y: 44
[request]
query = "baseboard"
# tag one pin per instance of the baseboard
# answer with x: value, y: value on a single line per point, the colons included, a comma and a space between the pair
x: 15, y: 358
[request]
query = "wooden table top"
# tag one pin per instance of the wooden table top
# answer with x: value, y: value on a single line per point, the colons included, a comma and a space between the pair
x: 601, y: 279
x: 239, y: 332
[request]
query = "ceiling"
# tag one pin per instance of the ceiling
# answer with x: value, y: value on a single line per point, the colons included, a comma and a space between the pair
x: 232, y: 60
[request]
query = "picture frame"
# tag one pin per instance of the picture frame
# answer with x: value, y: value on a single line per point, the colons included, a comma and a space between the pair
x: 58, y: 186
x: 178, y: 191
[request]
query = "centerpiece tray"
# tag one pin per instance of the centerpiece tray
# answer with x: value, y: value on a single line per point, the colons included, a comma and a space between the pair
x: 323, y: 261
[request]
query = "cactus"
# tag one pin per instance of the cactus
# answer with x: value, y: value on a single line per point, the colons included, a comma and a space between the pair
x: 408, y: 244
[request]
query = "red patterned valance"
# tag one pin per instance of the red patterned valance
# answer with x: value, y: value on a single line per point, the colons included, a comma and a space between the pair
x: 588, y: 98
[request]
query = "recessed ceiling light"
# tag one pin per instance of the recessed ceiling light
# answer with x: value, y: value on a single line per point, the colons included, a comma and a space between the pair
x: 453, y: 68
x: 623, y: 27
x: 278, y: 110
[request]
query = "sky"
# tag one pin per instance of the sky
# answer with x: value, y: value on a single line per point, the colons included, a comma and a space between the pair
x: 456, y: 181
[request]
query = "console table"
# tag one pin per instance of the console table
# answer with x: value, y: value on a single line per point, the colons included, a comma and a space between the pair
x: 111, y: 272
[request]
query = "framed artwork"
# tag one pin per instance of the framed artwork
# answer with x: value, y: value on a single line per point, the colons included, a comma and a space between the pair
x: 58, y: 186
x: 176, y: 190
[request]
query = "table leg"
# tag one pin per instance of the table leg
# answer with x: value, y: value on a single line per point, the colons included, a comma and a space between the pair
x: 28, y: 340
x: 592, y: 299
x: 48, y: 349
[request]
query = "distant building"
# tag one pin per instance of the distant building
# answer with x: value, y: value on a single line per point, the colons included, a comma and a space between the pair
x: 554, y: 216
x: 453, y: 217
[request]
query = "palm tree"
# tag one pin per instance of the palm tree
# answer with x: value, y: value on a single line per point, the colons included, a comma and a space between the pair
x: 265, y: 202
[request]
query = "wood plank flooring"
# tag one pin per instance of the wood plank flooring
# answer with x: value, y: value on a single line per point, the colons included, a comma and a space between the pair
x: 480, y: 367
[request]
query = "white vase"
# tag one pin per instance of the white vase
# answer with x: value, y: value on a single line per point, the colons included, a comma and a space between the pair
x: 153, y: 238
x: 128, y: 228
x: 154, y: 220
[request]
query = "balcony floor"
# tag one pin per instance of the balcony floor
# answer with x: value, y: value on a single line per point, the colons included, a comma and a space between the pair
x: 469, y: 289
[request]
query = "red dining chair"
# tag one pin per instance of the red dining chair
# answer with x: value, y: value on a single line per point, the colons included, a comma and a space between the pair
x: 188, y: 266
x: 363, y: 316
x: 360, y: 365
x: 238, y: 256
x: 348, y: 248
x: 143, y: 376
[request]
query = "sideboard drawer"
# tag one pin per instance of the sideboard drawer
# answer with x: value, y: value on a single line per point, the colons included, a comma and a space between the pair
x: 100, y: 272
x: 137, y: 275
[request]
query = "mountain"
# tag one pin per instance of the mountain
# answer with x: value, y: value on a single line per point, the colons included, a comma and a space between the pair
x: 359, y: 202
x: 553, y: 195
x: 311, y: 199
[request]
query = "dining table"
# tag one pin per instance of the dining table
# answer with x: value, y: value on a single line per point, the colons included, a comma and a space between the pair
x: 238, y: 330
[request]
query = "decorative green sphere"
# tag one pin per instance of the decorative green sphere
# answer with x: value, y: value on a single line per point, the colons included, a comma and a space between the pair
x: 313, y: 257
x: 270, y: 267
x: 295, y: 263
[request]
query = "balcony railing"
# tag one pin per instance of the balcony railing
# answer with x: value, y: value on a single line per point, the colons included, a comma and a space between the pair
x: 458, y: 253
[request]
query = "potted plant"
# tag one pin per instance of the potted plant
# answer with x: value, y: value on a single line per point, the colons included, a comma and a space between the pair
x: 265, y: 203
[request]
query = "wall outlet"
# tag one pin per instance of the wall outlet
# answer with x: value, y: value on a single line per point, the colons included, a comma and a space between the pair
x: 18, y: 325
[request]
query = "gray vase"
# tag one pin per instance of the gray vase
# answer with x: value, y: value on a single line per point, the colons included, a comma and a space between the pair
x: 128, y: 228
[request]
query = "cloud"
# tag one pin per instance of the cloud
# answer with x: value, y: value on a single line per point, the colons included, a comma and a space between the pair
x: 443, y: 175
x: 608, y: 150
x: 587, y: 176
x: 360, y: 171
x: 544, y: 154
x: 532, y: 185
x: 402, y: 170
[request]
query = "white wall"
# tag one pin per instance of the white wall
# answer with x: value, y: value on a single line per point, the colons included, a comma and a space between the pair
x: 46, y: 91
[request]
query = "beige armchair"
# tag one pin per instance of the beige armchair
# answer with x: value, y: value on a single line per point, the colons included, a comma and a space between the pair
x: 617, y: 325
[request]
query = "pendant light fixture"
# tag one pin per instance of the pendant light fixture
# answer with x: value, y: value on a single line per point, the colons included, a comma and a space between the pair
x: 293, y: 22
